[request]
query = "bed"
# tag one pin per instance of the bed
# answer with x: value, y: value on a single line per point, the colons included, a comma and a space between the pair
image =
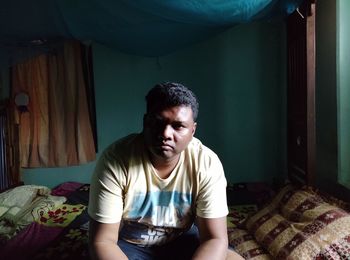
x: 294, y: 223
x: 39, y: 223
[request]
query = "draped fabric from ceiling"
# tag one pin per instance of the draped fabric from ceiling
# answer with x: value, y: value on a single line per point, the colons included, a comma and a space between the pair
x: 150, y: 28
x: 56, y: 130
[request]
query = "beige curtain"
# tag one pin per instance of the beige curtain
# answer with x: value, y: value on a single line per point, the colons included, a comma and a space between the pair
x: 56, y: 130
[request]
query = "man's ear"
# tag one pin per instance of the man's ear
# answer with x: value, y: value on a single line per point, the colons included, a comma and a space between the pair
x: 194, y: 128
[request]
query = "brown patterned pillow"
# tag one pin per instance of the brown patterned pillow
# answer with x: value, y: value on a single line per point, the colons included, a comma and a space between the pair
x: 245, y: 245
x: 328, y: 198
x: 298, y: 224
x: 239, y: 213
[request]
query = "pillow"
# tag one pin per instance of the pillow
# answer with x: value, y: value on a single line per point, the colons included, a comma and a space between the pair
x: 301, y: 225
x: 239, y: 213
x: 245, y: 245
x: 328, y: 198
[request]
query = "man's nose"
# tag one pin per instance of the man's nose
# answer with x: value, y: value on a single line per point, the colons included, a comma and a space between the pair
x: 166, y: 132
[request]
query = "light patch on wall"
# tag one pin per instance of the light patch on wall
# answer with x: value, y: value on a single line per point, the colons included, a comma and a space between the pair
x: 343, y: 92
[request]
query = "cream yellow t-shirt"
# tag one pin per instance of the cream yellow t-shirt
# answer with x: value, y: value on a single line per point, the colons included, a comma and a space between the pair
x: 126, y: 188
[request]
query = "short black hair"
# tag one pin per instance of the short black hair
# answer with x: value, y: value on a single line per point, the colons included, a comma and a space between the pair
x: 171, y: 94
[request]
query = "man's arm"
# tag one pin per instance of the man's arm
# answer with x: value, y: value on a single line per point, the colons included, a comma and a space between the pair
x: 103, y: 241
x: 213, y: 238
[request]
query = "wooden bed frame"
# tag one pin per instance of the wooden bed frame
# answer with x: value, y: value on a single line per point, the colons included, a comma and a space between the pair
x: 301, y: 119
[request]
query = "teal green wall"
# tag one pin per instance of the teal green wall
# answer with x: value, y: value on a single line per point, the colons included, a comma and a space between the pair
x: 326, y: 99
x: 343, y: 84
x: 239, y: 77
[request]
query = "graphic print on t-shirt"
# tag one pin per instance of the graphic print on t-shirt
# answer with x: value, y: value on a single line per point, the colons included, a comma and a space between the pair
x: 154, y: 216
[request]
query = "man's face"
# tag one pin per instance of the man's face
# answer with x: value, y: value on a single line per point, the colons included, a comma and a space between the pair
x: 168, y: 132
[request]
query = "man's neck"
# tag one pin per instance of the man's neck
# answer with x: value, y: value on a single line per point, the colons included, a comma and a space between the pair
x: 164, y: 167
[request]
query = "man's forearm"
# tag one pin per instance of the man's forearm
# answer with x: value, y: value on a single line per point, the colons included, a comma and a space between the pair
x: 212, y: 249
x: 106, y: 251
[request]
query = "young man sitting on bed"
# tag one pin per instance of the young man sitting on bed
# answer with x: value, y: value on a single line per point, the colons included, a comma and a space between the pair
x: 148, y: 189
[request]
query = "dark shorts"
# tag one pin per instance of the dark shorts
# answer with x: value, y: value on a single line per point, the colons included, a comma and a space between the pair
x: 181, y: 248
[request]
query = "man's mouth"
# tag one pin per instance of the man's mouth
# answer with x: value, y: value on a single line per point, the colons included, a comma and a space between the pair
x: 164, y: 146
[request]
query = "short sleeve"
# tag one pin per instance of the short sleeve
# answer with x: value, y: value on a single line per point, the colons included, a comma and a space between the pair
x: 211, y: 199
x: 106, y: 190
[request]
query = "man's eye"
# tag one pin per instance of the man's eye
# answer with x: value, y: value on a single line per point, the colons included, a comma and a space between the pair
x: 178, y: 126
